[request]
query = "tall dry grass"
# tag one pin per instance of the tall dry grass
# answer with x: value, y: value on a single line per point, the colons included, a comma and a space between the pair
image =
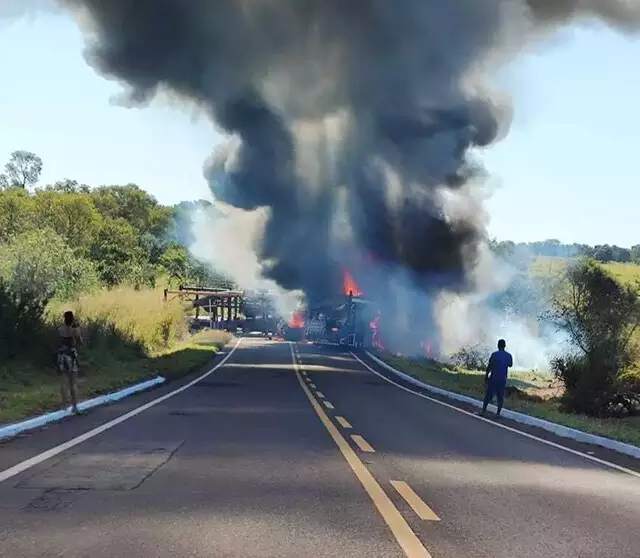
x: 129, y: 336
x: 139, y: 319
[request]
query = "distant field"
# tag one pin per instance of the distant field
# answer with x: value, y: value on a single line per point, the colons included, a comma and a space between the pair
x: 549, y: 267
x: 545, y: 266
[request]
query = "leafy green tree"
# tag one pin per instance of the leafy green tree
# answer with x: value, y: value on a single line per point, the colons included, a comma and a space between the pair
x: 40, y: 264
x: 601, y: 316
x: 72, y: 215
x: 22, y: 171
x: 175, y: 261
x: 67, y: 186
x: 141, y: 274
x: 134, y: 205
x: 16, y: 213
x: 153, y: 247
x: 116, y: 250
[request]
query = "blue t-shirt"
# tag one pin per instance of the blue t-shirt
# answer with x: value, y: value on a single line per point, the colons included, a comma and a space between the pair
x: 499, y: 364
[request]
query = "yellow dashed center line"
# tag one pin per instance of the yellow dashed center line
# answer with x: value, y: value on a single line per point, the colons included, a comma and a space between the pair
x: 362, y: 443
x: 417, y: 504
x: 343, y: 422
x: 406, y: 538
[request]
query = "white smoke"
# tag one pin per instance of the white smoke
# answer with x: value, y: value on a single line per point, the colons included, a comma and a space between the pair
x: 225, y: 241
x: 472, y: 320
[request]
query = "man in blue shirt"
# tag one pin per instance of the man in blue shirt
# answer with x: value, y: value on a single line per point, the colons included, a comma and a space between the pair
x: 496, y: 378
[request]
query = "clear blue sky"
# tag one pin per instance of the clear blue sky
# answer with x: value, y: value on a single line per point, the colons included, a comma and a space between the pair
x: 567, y: 170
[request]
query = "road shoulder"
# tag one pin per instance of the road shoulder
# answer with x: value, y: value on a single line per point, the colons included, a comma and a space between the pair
x: 589, y: 450
x: 33, y: 442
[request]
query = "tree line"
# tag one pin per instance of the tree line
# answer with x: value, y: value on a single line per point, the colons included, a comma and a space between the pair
x: 61, y: 240
x: 68, y: 237
x: 554, y: 248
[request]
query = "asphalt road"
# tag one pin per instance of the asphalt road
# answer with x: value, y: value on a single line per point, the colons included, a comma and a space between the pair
x: 295, y: 450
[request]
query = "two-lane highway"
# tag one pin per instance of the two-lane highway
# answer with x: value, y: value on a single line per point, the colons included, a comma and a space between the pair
x: 293, y: 450
x: 491, y: 492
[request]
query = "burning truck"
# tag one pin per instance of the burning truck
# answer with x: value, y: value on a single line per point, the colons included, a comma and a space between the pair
x: 344, y: 319
x: 349, y: 319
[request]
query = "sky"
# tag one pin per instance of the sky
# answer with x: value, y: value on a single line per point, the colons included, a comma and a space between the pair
x: 566, y: 170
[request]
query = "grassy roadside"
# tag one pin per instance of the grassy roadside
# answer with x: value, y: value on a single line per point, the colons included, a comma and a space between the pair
x: 28, y: 389
x: 129, y: 336
x: 529, y: 393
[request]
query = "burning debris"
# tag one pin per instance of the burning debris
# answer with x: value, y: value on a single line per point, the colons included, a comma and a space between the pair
x: 297, y: 320
x: 353, y: 123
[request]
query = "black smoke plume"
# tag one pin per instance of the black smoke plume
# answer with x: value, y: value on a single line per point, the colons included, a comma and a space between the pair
x: 352, y: 121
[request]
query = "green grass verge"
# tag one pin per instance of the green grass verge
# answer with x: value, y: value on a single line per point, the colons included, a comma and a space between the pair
x: 531, y: 385
x: 27, y: 389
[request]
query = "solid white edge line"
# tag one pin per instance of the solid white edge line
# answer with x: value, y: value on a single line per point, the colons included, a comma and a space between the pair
x: 554, y: 428
x: 503, y: 426
x: 41, y: 457
x: 12, y: 430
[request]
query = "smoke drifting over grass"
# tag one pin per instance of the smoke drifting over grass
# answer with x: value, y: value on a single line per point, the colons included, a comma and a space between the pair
x: 351, y: 126
x: 515, y: 307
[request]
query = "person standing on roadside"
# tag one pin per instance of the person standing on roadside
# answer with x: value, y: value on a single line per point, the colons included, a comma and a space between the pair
x: 69, y: 337
x: 496, y: 377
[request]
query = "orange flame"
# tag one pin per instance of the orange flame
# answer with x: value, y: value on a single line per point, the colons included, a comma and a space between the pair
x: 296, y: 320
x: 350, y: 286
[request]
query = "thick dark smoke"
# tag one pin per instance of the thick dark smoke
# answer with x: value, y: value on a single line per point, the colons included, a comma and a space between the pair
x: 352, y: 121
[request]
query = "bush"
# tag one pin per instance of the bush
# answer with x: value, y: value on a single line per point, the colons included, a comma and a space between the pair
x: 475, y: 357
x: 596, y: 387
x: 600, y: 316
x: 40, y: 264
x: 20, y: 321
